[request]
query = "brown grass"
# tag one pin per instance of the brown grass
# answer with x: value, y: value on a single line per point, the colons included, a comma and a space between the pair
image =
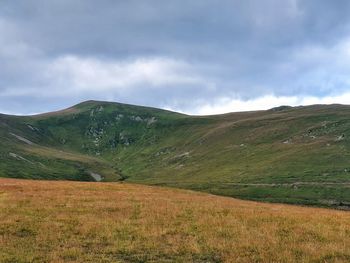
x: 67, y: 111
x: 42, y: 221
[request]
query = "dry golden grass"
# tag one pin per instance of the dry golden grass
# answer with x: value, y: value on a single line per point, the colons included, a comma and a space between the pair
x: 44, y: 221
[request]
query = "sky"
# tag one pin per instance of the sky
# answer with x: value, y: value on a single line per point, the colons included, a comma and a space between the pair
x: 196, y: 57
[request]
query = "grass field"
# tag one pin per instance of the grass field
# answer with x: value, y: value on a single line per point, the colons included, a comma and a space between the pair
x: 46, y: 221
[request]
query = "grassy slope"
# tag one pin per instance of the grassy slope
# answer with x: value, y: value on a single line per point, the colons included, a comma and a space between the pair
x: 36, y: 159
x: 295, y: 155
x: 89, y: 222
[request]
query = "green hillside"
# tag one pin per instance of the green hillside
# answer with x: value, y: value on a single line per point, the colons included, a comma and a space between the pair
x: 293, y: 155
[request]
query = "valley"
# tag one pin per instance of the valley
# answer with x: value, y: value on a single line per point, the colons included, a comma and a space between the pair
x: 298, y: 155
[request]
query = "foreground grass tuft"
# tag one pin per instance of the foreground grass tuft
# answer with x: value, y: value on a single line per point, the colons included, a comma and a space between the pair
x: 42, y: 221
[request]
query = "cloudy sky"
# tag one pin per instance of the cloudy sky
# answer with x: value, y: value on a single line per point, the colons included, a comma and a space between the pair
x: 198, y: 57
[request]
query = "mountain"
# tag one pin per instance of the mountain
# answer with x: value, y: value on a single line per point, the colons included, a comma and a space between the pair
x: 286, y: 154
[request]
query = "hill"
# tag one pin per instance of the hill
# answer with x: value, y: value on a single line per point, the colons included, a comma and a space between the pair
x: 294, y: 155
x: 45, y: 221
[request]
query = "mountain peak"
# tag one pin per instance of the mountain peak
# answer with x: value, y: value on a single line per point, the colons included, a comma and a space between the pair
x: 93, y: 103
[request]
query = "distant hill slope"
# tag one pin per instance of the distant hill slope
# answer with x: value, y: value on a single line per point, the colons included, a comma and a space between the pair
x: 295, y: 155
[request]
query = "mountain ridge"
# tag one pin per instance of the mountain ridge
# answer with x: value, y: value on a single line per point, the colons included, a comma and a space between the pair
x: 285, y: 154
x: 102, y: 102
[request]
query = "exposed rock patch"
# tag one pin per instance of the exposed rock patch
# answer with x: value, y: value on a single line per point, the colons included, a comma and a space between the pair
x: 20, y: 138
x: 18, y: 157
x: 96, y: 176
x: 32, y: 128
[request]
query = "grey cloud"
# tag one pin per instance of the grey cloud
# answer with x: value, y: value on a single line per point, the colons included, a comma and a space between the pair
x: 238, y: 49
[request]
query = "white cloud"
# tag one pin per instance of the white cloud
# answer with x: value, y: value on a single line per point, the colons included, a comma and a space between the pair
x: 93, y: 75
x: 225, y: 105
